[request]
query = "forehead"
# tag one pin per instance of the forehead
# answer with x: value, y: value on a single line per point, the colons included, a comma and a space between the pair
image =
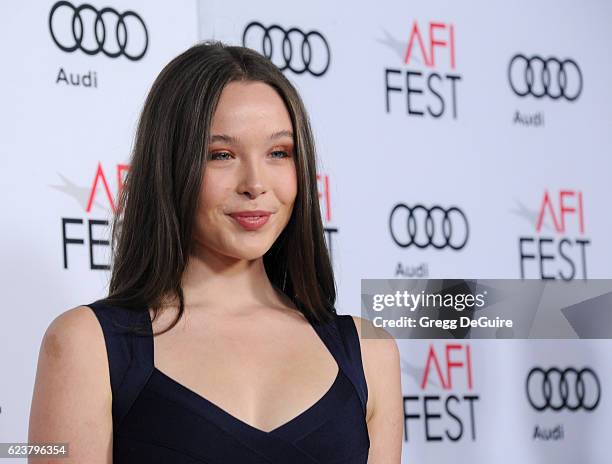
x: 254, y: 105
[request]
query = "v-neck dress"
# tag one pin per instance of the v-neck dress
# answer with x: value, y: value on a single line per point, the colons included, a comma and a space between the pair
x: 158, y: 420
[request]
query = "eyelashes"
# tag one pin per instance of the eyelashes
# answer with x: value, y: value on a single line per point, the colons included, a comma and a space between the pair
x: 283, y: 152
x: 226, y: 155
x: 216, y: 156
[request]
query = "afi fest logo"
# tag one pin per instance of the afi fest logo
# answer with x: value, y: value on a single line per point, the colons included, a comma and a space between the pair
x: 446, y: 408
x: 325, y: 203
x: 558, y: 247
x: 426, y: 85
x: 84, y: 233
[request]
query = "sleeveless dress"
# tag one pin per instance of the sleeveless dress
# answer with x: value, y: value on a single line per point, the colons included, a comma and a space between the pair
x: 158, y: 420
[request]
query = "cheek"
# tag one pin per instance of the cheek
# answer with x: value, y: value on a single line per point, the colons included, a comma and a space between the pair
x: 212, y: 193
x: 287, y: 187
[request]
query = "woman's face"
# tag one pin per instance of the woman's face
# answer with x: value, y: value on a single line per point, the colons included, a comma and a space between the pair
x: 250, y: 167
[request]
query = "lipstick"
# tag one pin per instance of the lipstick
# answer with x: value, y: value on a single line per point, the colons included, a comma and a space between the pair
x: 251, y: 220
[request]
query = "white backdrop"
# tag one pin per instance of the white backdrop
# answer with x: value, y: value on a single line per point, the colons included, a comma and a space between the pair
x: 518, y: 175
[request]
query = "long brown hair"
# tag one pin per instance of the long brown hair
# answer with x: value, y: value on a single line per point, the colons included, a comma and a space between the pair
x: 152, y: 228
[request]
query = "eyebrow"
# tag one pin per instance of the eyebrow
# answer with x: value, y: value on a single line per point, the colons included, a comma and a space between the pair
x: 235, y: 140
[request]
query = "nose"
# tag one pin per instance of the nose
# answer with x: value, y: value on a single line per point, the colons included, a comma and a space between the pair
x: 252, y: 182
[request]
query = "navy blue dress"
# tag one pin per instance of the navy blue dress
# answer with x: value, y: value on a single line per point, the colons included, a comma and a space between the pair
x: 158, y: 420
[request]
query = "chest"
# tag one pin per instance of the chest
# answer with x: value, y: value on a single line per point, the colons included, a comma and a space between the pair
x: 263, y: 375
x: 158, y: 419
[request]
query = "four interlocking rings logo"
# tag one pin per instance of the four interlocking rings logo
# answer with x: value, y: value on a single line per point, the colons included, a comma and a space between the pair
x: 423, y: 227
x: 76, y: 29
x: 541, y: 77
x: 314, y: 53
x: 558, y: 389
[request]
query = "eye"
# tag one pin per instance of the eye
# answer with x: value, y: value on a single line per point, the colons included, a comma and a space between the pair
x: 220, y: 155
x: 281, y: 152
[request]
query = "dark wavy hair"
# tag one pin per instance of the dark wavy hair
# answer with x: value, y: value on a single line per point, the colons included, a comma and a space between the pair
x: 153, y: 224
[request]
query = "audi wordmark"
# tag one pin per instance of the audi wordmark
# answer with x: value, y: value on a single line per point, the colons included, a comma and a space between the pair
x: 545, y: 77
x: 92, y: 31
x: 291, y: 49
x: 423, y: 227
x: 558, y: 389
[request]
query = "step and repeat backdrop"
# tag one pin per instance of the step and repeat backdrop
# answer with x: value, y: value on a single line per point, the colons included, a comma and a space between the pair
x: 455, y: 140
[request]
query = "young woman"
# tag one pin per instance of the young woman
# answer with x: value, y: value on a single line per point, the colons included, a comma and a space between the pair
x: 219, y: 341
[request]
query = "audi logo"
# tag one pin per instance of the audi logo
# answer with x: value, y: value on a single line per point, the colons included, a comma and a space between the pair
x: 422, y: 227
x: 91, y: 31
x: 545, y: 77
x: 558, y: 389
x: 291, y: 49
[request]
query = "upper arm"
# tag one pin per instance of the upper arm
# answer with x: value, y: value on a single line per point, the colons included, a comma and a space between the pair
x: 72, y: 400
x: 385, y: 417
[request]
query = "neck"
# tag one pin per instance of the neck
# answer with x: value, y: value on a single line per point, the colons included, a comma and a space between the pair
x: 221, y: 283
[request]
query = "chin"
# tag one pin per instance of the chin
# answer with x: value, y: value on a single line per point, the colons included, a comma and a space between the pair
x: 249, y: 256
x: 250, y: 253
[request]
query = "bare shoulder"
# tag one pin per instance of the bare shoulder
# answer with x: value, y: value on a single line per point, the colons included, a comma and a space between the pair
x: 75, y: 323
x: 381, y: 364
x: 379, y: 354
x: 72, y: 400
x: 75, y: 336
x: 376, y: 343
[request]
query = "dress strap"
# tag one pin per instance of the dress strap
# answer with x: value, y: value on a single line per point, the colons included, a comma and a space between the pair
x: 130, y: 354
x: 342, y: 339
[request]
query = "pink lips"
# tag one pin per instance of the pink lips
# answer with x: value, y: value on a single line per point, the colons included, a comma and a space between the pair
x: 251, y: 220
